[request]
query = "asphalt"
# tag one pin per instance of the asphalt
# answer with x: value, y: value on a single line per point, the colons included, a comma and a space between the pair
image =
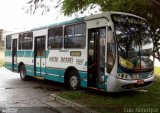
x: 34, y: 96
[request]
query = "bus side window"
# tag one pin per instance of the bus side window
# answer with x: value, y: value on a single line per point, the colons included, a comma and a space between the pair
x: 26, y: 41
x: 91, y: 47
x: 75, y: 36
x: 8, y: 42
x: 55, y: 38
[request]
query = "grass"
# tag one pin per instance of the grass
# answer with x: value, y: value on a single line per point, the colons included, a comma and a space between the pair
x: 116, y: 102
x: 157, y: 71
x: 1, y: 63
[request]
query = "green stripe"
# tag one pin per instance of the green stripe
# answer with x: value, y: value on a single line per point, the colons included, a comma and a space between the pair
x: 51, y: 73
x: 20, y: 53
x: 8, y: 53
x: 25, y: 53
x: 16, y: 67
x: 47, y: 53
x: 83, y: 78
x: 56, y: 74
x: 8, y: 65
x: 28, y: 53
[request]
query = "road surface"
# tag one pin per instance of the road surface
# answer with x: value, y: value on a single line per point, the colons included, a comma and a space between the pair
x: 17, y: 96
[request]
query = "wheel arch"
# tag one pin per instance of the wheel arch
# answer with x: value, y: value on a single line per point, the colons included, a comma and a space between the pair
x: 69, y: 69
x: 21, y: 63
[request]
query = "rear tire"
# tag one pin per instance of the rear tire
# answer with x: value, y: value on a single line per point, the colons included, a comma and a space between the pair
x: 73, y: 80
x: 23, y: 75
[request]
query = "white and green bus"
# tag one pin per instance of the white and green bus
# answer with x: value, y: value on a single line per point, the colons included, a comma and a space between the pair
x: 111, y: 51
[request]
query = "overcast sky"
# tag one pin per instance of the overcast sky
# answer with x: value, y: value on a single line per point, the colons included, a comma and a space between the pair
x: 12, y: 17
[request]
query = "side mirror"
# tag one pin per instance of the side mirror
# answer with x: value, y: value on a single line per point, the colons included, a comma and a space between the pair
x: 109, y: 34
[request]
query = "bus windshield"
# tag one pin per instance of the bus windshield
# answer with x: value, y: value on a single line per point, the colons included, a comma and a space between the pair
x: 135, y: 45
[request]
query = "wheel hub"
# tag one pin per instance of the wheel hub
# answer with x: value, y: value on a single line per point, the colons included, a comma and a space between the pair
x: 74, y: 81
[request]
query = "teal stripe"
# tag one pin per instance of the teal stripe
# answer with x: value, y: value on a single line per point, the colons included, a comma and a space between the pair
x: 29, y: 67
x: 20, y: 53
x: 51, y: 73
x: 83, y: 78
x: 25, y: 53
x: 16, y: 67
x: 8, y: 53
x: 53, y: 78
x: 30, y: 73
x: 38, y: 71
x: 8, y: 65
x: 28, y: 53
x: 54, y: 74
x: 32, y: 54
x: 47, y: 53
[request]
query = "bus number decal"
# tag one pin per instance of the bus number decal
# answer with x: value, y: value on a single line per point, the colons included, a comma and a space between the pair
x: 66, y: 60
x: 53, y: 59
x: 79, y: 61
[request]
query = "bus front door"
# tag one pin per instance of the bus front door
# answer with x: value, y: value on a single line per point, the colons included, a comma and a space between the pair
x: 96, y: 57
x: 40, y: 61
x: 14, y: 55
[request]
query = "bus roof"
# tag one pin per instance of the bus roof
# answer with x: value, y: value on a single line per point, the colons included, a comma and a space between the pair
x: 76, y: 20
x: 106, y: 15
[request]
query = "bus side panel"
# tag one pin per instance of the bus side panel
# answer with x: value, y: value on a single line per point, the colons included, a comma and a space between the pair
x: 57, y: 61
x: 83, y: 78
x: 8, y: 59
x: 26, y: 57
x: 54, y: 74
x: 29, y: 70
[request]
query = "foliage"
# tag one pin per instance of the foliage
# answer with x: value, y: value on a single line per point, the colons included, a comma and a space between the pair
x: 33, y: 5
x: 157, y: 71
x: 148, y: 9
x: 1, y: 63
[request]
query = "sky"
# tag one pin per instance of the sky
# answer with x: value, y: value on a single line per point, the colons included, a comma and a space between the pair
x: 13, y: 18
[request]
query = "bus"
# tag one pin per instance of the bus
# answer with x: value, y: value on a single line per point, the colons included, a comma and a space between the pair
x: 110, y: 51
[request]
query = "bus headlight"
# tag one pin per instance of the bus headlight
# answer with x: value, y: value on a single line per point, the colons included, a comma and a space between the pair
x: 123, y: 76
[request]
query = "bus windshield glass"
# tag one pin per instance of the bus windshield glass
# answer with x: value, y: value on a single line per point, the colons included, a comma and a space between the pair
x: 135, y: 45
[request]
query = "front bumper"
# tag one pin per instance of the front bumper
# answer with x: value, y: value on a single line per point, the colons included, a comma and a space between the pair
x: 117, y: 85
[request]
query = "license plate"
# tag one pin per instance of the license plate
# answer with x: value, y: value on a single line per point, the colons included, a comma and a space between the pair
x: 140, y: 82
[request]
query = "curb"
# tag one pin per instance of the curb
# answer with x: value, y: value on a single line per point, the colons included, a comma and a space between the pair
x: 73, y: 105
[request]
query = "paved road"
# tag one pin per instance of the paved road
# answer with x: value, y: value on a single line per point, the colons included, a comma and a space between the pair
x: 32, y: 96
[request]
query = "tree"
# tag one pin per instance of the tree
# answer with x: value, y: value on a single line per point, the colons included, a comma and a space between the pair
x: 149, y: 9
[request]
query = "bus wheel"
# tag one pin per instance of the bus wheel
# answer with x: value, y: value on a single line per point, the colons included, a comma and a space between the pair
x: 23, y: 75
x: 73, y: 80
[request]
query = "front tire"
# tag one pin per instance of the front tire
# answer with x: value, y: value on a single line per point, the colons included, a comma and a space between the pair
x: 23, y: 75
x: 73, y: 80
